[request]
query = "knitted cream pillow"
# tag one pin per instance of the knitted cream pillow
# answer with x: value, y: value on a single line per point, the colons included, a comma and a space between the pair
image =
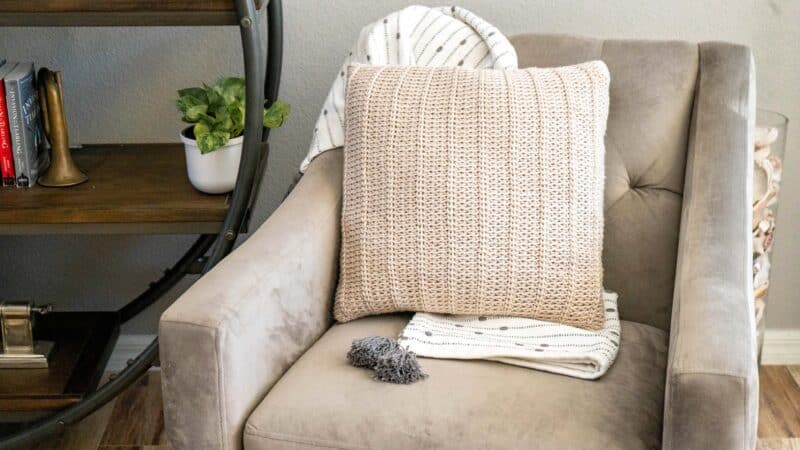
x: 474, y: 192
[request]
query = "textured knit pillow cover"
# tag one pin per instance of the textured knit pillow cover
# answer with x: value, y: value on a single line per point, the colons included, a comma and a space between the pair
x: 474, y: 192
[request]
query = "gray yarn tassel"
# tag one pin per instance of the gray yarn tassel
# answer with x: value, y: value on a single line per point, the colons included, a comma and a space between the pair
x: 391, y: 362
x: 365, y: 352
x: 399, y: 366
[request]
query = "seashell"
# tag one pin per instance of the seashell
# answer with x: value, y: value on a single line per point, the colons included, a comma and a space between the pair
x: 766, y: 225
x: 763, y: 236
x: 760, y: 215
x: 761, y: 268
x: 762, y: 179
x: 760, y: 307
x: 777, y: 168
x: 758, y: 243
x: 760, y: 206
x: 765, y: 136
x: 772, y: 195
x: 760, y: 292
x: 761, y: 153
x: 767, y: 243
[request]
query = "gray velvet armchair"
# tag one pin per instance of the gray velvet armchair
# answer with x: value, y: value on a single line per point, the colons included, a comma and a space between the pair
x: 251, y: 358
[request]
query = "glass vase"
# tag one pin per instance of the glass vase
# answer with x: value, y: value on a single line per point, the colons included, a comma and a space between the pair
x: 770, y: 145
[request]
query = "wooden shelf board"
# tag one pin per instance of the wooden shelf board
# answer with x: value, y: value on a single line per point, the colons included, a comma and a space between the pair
x: 132, y: 189
x: 37, y: 229
x: 118, y: 12
x: 122, y: 19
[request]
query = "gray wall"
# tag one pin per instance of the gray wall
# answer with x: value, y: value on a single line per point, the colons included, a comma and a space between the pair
x: 120, y: 85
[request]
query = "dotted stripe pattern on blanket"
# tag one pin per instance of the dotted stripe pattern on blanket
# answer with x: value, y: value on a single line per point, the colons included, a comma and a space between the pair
x: 518, y: 341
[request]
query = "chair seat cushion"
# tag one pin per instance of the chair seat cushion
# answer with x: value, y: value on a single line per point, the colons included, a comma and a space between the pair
x: 324, y: 402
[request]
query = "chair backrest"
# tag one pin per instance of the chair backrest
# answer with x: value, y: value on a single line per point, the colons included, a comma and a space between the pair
x: 652, y: 92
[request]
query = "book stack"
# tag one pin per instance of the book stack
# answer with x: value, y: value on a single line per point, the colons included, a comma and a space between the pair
x: 22, y: 154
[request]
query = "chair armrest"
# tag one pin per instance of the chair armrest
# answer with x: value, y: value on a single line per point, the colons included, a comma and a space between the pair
x: 712, y: 376
x: 233, y: 334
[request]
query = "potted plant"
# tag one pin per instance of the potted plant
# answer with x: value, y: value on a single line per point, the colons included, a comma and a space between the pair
x: 213, y: 140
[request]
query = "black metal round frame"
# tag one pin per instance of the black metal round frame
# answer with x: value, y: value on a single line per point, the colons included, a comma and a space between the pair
x: 262, y: 81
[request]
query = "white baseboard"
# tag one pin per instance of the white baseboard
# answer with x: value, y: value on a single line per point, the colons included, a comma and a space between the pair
x: 781, y: 347
x: 128, y: 346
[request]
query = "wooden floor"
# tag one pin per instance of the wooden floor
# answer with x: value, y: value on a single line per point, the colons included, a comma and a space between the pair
x: 135, y: 420
x: 132, y: 421
x: 779, y: 408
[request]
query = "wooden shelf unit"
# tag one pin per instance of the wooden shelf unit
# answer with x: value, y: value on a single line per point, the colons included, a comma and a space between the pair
x: 132, y: 189
x: 42, y: 13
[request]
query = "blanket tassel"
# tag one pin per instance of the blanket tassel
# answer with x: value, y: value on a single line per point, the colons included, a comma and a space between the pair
x: 391, y: 362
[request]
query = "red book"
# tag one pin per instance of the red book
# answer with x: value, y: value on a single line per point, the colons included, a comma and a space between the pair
x: 6, y: 157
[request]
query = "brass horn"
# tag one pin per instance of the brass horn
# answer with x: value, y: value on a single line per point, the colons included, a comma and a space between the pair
x: 62, y: 171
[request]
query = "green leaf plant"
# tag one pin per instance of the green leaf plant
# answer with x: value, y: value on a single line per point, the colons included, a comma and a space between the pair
x: 217, y: 112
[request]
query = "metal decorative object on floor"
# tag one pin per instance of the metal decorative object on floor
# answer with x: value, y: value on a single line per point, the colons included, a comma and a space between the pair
x: 20, y: 351
x: 770, y: 144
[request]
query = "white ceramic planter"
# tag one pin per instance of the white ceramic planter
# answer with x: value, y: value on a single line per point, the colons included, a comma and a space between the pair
x: 215, y: 172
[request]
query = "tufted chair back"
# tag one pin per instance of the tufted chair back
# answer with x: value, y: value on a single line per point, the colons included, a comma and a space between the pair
x: 652, y: 92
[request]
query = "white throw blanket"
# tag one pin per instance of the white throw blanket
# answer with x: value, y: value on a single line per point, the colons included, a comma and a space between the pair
x: 417, y: 35
x: 523, y: 342
x: 454, y: 36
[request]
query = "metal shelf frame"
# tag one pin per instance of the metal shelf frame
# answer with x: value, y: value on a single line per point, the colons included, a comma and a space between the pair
x: 262, y: 79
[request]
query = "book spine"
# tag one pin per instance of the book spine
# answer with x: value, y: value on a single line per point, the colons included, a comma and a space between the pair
x: 6, y: 157
x: 29, y: 99
x: 16, y: 126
